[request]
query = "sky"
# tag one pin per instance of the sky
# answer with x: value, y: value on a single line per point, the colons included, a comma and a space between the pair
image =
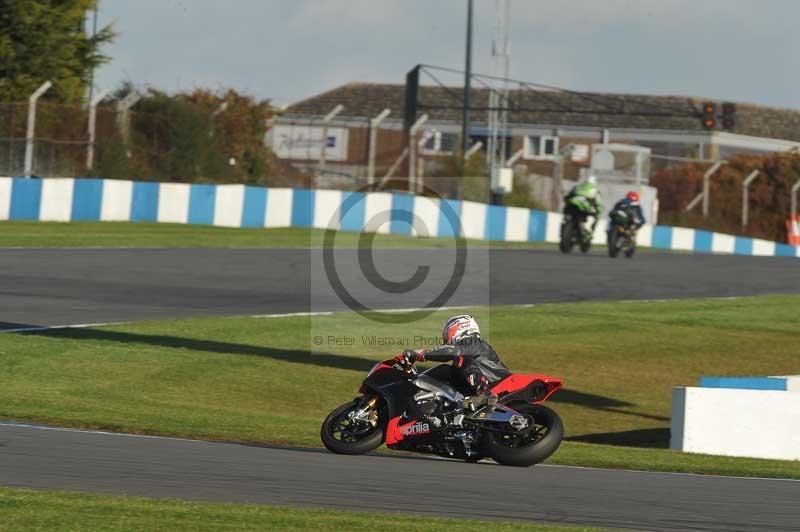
x: 288, y: 50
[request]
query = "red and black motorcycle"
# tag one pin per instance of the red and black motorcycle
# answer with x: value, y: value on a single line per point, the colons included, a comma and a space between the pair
x: 421, y: 412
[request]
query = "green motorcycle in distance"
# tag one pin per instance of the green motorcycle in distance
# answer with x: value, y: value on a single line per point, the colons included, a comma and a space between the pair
x: 577, y: 208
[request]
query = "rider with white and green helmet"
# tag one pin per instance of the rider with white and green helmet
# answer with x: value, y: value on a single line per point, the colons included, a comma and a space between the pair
x: 584, y: 200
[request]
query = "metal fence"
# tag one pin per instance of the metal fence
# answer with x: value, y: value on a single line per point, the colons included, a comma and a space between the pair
x: 60, y: 144
x: 47, y: 139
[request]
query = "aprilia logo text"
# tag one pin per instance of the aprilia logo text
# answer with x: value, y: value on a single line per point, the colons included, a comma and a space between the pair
x: 416, y: 429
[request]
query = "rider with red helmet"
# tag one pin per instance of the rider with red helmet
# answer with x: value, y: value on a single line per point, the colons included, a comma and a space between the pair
x: 476, y: 365
x: 628, y: 212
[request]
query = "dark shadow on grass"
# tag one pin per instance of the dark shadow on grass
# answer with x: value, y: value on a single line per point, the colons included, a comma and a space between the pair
x: 590, y: 400
x: 648, y: 438
x: 600, y: 403
x: 298, y: 356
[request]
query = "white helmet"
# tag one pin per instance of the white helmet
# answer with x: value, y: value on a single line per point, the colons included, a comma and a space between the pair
x: 459, y: 327
x: 592, y: 179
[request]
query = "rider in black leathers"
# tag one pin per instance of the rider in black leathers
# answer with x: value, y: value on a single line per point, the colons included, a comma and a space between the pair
x: 633, y: 217
x: 476, y: 366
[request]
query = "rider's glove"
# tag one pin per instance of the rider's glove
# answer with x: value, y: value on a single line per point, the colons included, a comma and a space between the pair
x: 408, y: 357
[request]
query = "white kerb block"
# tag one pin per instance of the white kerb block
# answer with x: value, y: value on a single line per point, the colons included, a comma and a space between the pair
x: 56, y: 205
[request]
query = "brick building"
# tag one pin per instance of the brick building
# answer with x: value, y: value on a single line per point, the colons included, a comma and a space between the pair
x: 540, y: 123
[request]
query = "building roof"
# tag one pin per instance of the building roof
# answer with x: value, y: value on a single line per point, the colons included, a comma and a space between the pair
x: 552, y: 108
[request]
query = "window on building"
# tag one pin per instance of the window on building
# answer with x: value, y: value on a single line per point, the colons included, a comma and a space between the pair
x: 540, y: 147
x: 448, y: 143
x: 440, y: 143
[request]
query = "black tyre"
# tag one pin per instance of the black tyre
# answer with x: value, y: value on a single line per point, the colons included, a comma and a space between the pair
x: 613, y: 242
x: 586, y: 244
x: 532, y: 448
x: 567, y: 239
x: 343, y: 435
x: 631, y: 249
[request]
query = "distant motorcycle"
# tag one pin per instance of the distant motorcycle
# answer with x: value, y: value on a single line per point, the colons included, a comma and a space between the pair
x: 621, y: 235
x: 421, y: 412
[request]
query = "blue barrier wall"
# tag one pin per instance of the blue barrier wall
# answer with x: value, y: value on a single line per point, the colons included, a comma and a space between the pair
x: 105, y: 200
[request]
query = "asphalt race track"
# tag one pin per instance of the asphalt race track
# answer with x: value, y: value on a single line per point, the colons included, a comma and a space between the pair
x: 61, y: 287
x: 171, y: 468
x: 42, y: 287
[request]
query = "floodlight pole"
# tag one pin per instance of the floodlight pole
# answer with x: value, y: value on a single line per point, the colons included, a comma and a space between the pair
x: 746, y: 196
x: 324, y: 144
x: 32, y: 126
x: 467, y: 81
x: 92, y: 126
x: 373, y: 141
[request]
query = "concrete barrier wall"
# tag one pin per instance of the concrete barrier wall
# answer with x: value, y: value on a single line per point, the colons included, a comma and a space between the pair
x: 66, y: 200
x: 736, y: 422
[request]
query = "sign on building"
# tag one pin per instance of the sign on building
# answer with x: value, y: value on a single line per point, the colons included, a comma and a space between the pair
x: 305, y: 142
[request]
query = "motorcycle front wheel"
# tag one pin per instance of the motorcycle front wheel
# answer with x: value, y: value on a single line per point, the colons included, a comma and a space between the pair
x: 567, y: 239
x: 342, y: 433
x: 613, y: 242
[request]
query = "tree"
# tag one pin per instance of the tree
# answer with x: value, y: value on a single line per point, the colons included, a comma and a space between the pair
x: 189, y: 137
x: 47, y: 39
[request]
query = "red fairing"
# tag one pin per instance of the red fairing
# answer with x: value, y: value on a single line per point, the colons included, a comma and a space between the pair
x: 393, y: 434
x: 386, y: 364
x: 515, y: 382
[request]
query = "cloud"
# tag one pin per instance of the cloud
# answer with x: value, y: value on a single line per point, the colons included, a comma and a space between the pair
x: 292, y: 50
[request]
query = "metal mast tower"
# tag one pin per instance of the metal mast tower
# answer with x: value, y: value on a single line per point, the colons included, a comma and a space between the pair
x: 498, y: 96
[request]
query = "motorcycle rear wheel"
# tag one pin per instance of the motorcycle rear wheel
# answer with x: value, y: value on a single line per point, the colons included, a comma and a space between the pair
x: 352, y: 437
x: 513, y: 452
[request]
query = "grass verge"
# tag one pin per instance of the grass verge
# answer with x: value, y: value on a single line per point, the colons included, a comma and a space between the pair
x: 57, y: 511
x: 267, y: 380
x: 152, y: 235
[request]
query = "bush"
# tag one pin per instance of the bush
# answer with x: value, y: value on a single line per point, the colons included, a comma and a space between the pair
x: 522, y: 196
x: 769, y: 194
x: 179, y: 138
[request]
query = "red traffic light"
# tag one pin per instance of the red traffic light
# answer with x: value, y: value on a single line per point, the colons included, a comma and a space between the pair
x: 728, y: 108
x: 709, y: 115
